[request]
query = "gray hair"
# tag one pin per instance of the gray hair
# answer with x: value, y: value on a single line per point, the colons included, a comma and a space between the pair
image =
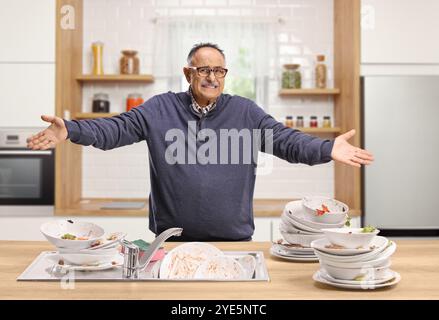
x: 203, y: 45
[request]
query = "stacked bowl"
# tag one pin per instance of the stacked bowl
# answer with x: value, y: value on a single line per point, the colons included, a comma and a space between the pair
x: 302, y: 222
x: 82, y: 245
x: 355, y: 258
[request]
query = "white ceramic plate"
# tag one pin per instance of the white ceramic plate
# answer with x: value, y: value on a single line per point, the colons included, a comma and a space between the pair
x: 297, y: 258
x: 295, y: 211
x: 302, y: 239
x: 319, y: 278
x: 322, y: 245
x: 87, y: 258
x: 294, y: 250
x: 248, y: 262
x: 288, y: 221
x: 220, y: 268
x: 109, y: 240
x: 390, y: 274
x: 117, y: 259
x: 183, y: 261
x: 287, y: 226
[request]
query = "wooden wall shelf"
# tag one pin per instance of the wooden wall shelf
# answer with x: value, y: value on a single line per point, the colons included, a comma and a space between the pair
x: 143, y: 78
x: 94, y: 115
x: 308, y: 92
x: 320, y: 130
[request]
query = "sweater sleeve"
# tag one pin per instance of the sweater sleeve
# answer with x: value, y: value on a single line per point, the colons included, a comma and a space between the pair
x: 290, y: 144
x: 109, y: 133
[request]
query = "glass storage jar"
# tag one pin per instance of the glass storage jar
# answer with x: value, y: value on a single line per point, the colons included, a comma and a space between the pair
x: 101, y: 103
x: 129, y: 62
x: 291, y: 77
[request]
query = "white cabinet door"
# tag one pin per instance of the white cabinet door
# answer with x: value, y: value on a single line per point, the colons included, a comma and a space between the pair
x: 400, y: 31
x: 27, y: 30
x: 262, y: 229
x: 26, y: 92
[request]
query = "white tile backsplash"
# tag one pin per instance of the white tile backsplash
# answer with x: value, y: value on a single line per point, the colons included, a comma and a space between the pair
x: 306, y: 30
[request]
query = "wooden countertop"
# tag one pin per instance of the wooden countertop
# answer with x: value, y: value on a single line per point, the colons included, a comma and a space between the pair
x: 416, y: 260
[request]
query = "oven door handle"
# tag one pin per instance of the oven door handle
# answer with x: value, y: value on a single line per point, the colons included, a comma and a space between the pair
x: 25, y: 153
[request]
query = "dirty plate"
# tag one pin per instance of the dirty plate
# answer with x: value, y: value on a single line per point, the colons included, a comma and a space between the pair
x: 318, y: 277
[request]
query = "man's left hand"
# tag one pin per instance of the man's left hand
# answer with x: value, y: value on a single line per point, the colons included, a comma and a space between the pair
x: 344, y: 152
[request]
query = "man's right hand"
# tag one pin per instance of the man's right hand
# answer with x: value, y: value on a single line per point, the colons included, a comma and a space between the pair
x: 50, y: 137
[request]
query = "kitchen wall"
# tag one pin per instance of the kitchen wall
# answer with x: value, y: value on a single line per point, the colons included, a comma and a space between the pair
x: 305, y: 30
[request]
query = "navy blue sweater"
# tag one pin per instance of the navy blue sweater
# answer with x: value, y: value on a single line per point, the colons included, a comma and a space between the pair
x: 210, y: 201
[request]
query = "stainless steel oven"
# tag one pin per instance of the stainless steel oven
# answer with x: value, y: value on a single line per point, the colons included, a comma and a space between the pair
x: 27, y: 177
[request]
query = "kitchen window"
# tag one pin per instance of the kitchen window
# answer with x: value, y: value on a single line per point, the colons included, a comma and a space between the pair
x: 246, y: 44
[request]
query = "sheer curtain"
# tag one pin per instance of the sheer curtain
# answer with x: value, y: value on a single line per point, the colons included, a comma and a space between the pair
x: 247, y: 44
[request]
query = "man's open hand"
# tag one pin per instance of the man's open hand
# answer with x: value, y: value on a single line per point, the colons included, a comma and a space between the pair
x: 50, y: 137
x: 344, y: 152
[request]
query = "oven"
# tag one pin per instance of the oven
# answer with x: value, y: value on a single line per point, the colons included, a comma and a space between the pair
x: 27, y: 177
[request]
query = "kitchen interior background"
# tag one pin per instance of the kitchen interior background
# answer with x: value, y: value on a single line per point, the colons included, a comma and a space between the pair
x: 294, y: 31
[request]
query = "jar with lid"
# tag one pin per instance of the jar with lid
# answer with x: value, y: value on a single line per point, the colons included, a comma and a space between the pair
x: 291, y: 77
x: 101, y: 103
x: 320, y: 72
x: 129, y: 62
x: 289, y: 122
x: 134, y: 100
x: 326, y: 122
x: 97, y: 50
x: 299, y: 122
x: 313, y: 122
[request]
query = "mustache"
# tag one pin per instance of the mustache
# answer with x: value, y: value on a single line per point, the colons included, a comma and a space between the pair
x: 208, y: 83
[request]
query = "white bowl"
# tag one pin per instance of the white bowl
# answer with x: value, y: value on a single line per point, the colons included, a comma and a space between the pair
x: 337, y: 210
x: 302, y: 239
x: 88, y: 259
x: 364, y: 273
x: 350, y: 238
x: 54, y: 230
x: 295, y: 211
x: 381, y: 246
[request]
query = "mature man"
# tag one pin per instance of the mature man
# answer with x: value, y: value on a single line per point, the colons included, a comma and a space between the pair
x: 210, y: 200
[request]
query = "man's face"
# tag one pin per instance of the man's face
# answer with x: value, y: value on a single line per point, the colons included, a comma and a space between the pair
x: 205, y: 89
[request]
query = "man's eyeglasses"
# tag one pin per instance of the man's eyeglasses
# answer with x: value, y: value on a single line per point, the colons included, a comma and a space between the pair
x: 219, y: 72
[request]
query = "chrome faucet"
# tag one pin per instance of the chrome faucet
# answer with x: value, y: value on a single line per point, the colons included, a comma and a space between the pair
x: 132, y: 265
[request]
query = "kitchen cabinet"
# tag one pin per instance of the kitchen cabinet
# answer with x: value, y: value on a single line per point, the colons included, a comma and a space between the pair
x: 399, y: 32
x: 26, y: 92
x: 27, y: 31
x: 288, y: 280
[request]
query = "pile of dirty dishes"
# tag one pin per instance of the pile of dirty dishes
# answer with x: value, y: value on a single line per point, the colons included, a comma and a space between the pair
x: 355, y: 258
x: 302, y: 222
x: 203, y: 261
x: 83, y: 245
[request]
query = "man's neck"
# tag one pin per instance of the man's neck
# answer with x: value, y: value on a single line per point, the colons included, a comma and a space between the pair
x: 202, y: 102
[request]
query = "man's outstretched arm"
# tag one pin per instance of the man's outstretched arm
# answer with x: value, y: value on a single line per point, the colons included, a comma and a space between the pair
x: 103, y: 133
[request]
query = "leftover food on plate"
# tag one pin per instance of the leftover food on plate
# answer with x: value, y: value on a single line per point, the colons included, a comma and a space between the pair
x: 368, y: 229
x: 322, y: 211
x: 68, y: 236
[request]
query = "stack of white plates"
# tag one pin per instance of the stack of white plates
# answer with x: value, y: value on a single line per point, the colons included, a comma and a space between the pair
x: 358, y: 268
x: 292, y: 252
x: 298, y: 232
